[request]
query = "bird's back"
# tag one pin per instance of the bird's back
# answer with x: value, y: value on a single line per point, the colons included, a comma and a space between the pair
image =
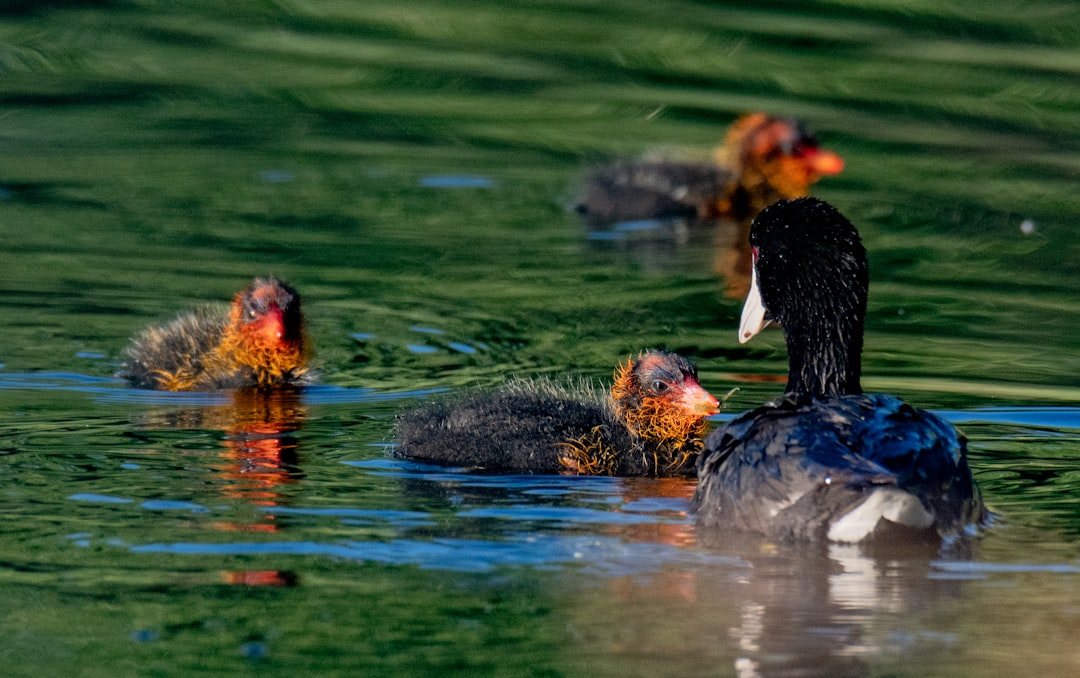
x: 176, y: 348
x: 651, y: 190
x: 522, y: 426
x: 815, y: 468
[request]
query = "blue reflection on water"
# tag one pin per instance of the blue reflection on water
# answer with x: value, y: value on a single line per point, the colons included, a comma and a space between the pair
x: 967, y: 569
x: 456, y: 181
x: 170, y: 505
x: 569, y: 515
x: 461, y: 348
x: 100, y: 498
x: 1050, y: 417
x: 426, y: 330
x: 598, y: 554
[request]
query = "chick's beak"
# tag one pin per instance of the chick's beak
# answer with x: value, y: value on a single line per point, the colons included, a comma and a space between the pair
x: 697, y: 400
x: 824, y: 163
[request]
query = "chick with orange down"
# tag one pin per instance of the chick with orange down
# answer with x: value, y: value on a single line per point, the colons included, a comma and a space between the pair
x: 259, y: 343
x: 772, y: 158
x: 651, y: 423
x: 763, y: 158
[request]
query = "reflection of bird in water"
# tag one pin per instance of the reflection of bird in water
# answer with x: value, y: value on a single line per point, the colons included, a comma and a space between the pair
x: 258, y: 461
x: 677, y: 491
x: 650, y: 424
x: 764, y: 158
x: 259, y: 343
x: 260, y: 451
x: 826, y: 460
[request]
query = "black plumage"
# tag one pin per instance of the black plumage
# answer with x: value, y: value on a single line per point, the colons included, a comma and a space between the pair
x: 651, y: 424
x: 519, y: 426
x: 795, y: 468
x: 826, y: 461
x: 628, y: 191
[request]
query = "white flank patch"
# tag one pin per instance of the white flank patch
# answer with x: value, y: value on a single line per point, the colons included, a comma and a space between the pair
x: 889, y: 503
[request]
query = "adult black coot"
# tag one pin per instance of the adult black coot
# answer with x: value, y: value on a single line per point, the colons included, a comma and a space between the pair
x: 258, y: 342
x: 651, y: 424
x: 827, y: 461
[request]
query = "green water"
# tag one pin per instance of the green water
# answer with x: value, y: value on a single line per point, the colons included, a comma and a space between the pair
x: 408, y: 166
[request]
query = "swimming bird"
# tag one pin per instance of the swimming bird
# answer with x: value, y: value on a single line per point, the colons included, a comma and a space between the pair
x: 827, y: 461
x: 650, y: 424
x: 258, y: 343
x: 763, y: 158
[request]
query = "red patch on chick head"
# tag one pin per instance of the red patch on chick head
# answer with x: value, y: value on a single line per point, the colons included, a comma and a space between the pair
x: 269, y: 313
x: 787, y: 153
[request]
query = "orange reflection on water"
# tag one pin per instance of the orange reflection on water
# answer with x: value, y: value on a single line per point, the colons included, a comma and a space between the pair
x: 258, y: 460
x: 672, y: 534
x: 261, y: 456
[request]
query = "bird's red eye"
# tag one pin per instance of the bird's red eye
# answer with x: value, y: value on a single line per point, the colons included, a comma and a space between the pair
x: 755, y: 253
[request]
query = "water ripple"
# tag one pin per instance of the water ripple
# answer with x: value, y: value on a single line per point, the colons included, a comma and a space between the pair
x: 601, y: 555
x: 567, y: 515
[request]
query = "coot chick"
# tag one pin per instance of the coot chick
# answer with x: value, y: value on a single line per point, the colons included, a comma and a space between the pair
x: 763, y: 158
x: 651, y: 424
x: 827, y: 461
x: 258, y: 343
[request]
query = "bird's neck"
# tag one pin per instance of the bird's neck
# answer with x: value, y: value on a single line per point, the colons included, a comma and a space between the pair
x: 267, y: 360
x: 827, y: 372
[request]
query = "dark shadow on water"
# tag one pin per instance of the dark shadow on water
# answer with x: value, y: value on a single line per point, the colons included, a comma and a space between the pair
x: 34, y: 8
x: 48, y: 194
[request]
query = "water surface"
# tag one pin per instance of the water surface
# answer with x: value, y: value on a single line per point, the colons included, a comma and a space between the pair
x: 408, y: 169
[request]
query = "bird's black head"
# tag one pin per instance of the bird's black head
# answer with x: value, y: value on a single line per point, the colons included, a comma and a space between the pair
x: 811, y: 274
